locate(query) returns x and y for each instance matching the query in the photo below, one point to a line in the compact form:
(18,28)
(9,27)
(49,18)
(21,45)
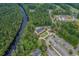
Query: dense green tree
(10,19)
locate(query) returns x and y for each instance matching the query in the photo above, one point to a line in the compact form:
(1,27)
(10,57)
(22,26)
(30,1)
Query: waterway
(16,39)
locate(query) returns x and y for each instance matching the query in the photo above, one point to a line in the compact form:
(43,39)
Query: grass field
(44,34)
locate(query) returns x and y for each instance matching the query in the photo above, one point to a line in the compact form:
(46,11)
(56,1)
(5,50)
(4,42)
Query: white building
(65,17)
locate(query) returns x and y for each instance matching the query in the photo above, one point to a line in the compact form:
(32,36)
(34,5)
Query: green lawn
(44,34)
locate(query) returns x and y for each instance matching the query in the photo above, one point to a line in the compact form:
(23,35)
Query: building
(65,17)
(43,32)
(37,52)
(32,10)
(39,30)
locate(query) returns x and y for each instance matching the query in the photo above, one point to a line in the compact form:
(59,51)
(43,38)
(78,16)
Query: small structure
(32,10)
(42,32)
(37,52)
(39,30)
(65,17)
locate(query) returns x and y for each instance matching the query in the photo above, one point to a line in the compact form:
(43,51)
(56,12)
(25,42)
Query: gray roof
(39,29)
(37,52)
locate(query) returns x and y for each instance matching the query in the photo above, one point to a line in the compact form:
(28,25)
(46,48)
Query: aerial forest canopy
(39,16)
(10,19)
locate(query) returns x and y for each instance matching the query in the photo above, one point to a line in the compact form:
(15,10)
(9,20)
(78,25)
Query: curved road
(13,44)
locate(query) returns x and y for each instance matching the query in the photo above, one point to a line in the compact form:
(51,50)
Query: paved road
(60,44)
(50,11)
(66,45)
(59,48)
(50,51)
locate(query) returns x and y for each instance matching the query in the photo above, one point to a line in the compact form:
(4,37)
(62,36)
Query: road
(50,11)
(50,51)
(60,46)
(57,46)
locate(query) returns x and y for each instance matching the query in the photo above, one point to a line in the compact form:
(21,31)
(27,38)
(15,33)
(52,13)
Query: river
(24,22)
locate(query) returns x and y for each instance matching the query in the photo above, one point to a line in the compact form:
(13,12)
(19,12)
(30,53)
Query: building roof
(39,29)
(36,52)
(66,17)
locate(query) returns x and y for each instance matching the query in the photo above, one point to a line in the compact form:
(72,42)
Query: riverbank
(13,44)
